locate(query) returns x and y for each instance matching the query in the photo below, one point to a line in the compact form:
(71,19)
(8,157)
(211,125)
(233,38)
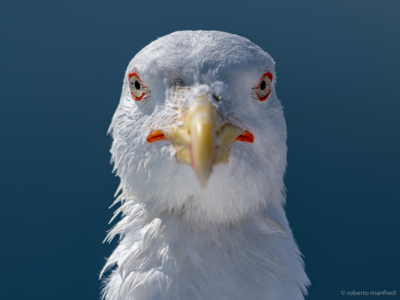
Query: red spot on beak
(247,136)
(155,135)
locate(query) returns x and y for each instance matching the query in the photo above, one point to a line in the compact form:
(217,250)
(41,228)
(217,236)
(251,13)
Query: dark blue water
(62,64)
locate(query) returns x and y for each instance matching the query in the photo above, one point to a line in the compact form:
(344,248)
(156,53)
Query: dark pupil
(263,85)
(137,85)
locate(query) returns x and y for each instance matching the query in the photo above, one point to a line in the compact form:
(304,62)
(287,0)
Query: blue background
(62,64)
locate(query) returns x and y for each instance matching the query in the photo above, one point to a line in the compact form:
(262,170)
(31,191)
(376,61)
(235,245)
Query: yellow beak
(202,124)
(201,142)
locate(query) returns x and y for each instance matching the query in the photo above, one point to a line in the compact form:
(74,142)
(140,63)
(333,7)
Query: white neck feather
(159,248)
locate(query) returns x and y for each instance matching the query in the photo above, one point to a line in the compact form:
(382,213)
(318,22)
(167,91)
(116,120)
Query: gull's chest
(174,264)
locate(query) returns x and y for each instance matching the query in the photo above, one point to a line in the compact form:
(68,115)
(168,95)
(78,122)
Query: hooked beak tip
(203,177)
(203,183)
(202,171)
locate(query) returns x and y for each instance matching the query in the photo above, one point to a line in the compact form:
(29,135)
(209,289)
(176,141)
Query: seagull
(199,145)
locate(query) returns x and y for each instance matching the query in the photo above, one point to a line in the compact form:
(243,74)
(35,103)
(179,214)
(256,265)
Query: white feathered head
(199,129)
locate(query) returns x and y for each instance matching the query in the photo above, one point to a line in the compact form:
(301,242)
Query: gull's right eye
(136,86)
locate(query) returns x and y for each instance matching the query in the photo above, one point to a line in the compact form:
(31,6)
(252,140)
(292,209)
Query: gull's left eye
(136,86)
(264,88)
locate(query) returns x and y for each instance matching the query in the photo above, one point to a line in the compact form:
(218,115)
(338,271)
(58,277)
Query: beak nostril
(216,98)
